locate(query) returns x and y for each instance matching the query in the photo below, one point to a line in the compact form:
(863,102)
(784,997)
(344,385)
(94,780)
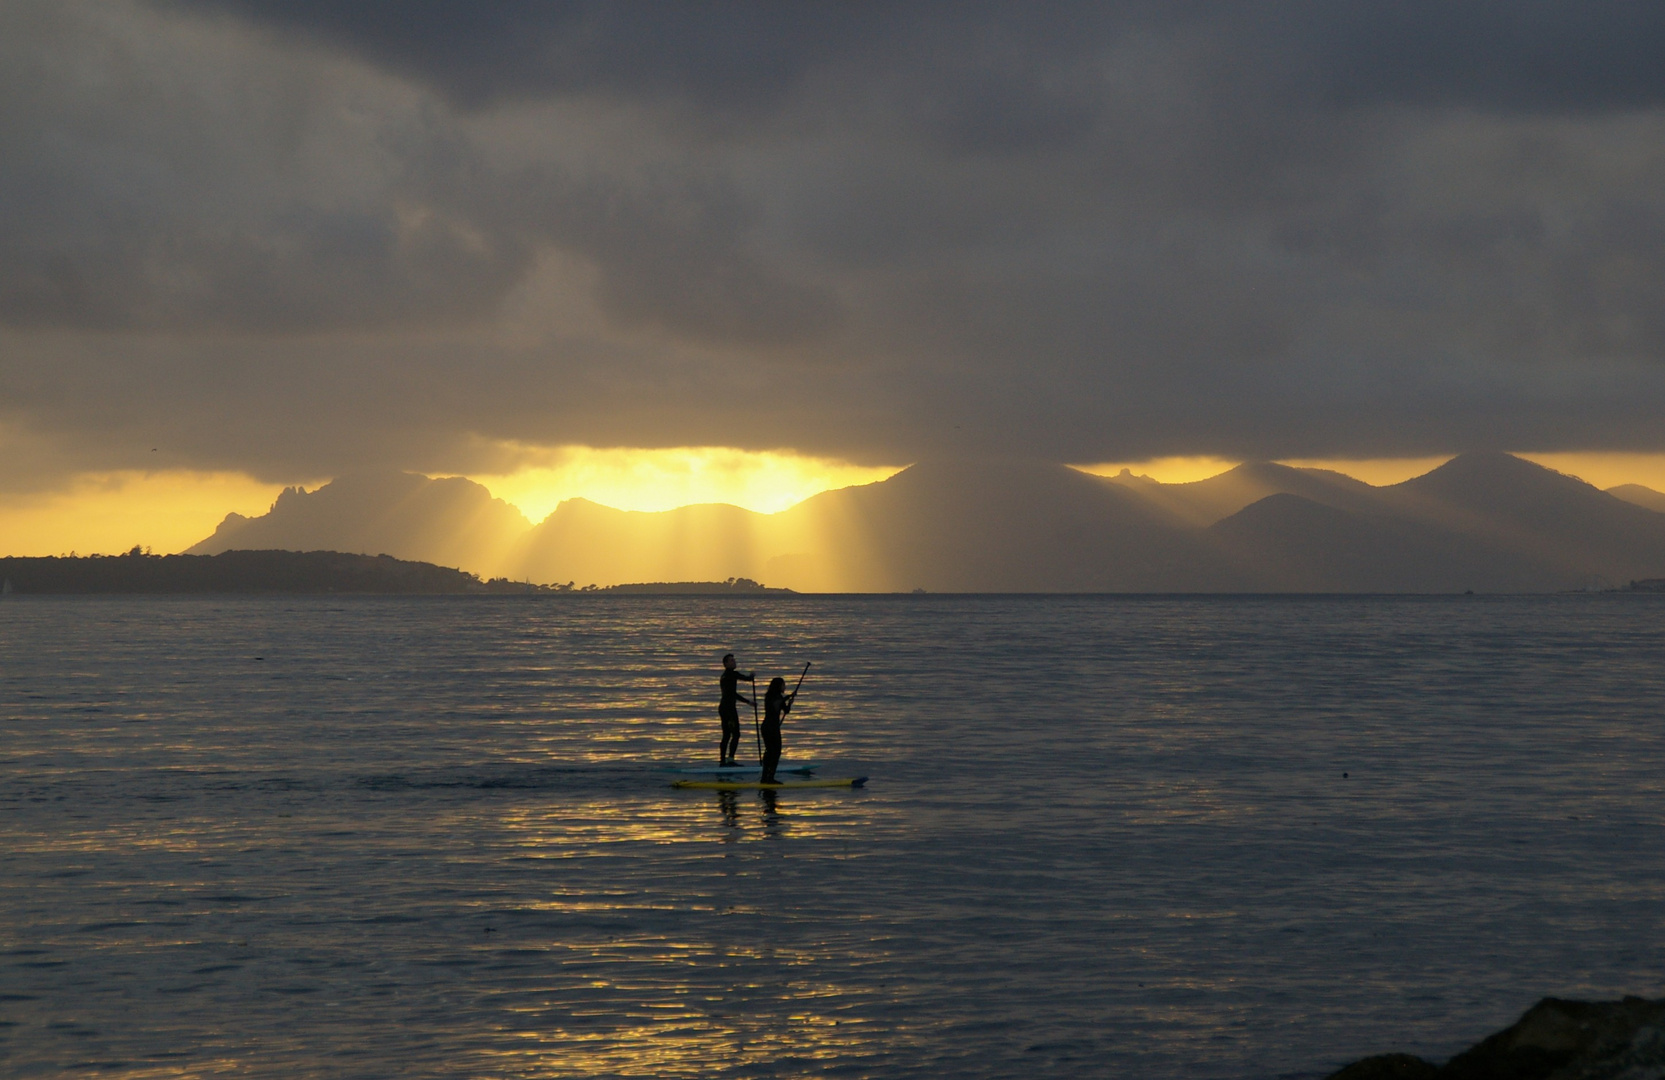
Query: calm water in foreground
(1103,837)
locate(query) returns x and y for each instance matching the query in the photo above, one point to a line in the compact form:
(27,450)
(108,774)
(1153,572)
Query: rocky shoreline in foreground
(1556,1039)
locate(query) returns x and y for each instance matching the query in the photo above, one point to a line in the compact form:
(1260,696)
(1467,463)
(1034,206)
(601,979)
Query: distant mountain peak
(1639,495)
(1489,475)
(1493,463)
(1260,468)
(1487,521)
(451,521)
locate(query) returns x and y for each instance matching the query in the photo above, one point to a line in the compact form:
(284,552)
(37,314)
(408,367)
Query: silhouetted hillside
(1203,502)
(995,526)
(1488,522)
(1637,495)
(1291,544)
(1577,533)
(239,572)
(585,541)
(942,526)
(452,522)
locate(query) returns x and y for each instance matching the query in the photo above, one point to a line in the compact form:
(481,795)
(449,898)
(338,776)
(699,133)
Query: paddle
(795,689)
(757,728)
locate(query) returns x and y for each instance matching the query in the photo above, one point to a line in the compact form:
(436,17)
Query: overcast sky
(300,236)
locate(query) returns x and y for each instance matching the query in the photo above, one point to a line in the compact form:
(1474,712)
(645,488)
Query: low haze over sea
(1155,837)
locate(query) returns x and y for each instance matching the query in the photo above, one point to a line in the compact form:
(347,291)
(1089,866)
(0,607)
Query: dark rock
(1571,1040)
(1556,1039)
(1389,1067)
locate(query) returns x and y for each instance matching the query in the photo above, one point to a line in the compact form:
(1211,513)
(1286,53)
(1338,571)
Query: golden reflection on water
(180,835)
(648,1001)
(673,1040)
(654,1003)
(688,817)
(210,1066)
(707,1024)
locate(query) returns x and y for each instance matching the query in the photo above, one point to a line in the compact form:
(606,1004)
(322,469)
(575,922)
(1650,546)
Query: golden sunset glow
(1186,470)
(1607,470)
(1165,470)
(168,511)
(634,479)
(1377,472)
(108,513)
(1603,469)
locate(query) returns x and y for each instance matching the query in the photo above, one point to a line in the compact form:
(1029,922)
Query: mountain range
(450,521)
(1487,522)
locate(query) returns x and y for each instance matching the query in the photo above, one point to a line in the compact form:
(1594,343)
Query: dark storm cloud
(1534,54)
(739,53)
(147,197)
(141,192)
(671,253)
(1088,231)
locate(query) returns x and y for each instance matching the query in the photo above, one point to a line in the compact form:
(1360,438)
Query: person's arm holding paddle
(775,705)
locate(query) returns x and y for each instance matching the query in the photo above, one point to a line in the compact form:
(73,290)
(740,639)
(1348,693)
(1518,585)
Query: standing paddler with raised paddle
(728,709)
(776,704)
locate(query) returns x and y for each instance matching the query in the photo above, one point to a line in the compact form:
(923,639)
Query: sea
(1101,836)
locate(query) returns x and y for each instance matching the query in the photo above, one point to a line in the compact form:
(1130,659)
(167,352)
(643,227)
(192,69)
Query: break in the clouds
(294,237)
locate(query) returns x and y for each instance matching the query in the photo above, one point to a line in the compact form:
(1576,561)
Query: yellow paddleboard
(753,785)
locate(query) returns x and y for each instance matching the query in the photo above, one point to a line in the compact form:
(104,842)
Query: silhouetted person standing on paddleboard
(729,708)
(776,704)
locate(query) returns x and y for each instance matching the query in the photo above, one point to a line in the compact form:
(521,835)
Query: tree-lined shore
(242,572)
(303,572)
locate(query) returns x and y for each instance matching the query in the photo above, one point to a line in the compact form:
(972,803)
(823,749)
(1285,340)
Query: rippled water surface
(1103,836)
